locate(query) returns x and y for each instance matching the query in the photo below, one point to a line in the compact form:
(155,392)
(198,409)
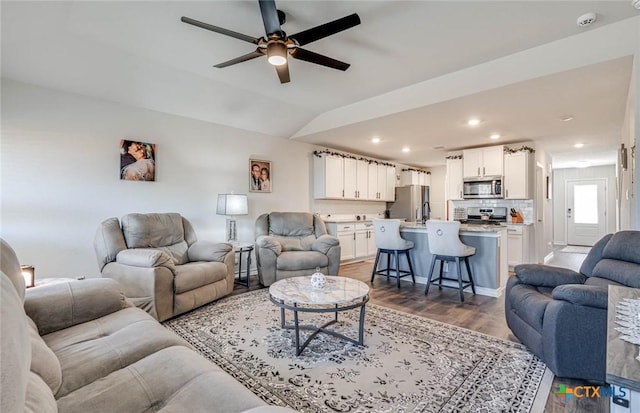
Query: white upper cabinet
(453,179)
(518,175)
(328,177)
(415,178)
(350,178)
(483,162)
(362,177)
(391,184)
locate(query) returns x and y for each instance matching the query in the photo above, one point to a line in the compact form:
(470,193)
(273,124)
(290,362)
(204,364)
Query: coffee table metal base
(323,328)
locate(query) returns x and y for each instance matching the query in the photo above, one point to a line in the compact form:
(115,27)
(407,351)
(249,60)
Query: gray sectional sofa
(561,315)
(82,347)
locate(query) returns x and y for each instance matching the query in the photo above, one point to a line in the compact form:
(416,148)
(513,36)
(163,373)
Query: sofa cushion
(196,274)
(174,379)
(623,272)
(152,230)
(623,246)
(298,260)
(178,252)
(95,349)
(43,361)
(532,303)
(10,267)
(295,243)
(39,397)
(291,224)
(600,282)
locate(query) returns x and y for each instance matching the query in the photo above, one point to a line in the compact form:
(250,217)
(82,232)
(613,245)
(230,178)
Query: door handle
(568,212)
(478,171)
(483,172)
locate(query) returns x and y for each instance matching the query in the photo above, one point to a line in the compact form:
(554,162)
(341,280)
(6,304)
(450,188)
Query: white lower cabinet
(518,245)
(357,240)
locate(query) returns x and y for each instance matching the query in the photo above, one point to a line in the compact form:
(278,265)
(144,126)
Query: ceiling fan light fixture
(277,53)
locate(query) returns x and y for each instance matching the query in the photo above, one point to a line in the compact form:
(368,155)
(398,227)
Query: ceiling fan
(277,45)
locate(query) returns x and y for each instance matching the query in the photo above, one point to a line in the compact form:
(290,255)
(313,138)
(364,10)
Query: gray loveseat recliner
(81,347)
(561,315)
(290,244)
(161,265)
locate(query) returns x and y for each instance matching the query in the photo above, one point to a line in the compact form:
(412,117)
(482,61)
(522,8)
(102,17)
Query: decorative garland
(523,148)
(454,157)
(415,170)
(349,156)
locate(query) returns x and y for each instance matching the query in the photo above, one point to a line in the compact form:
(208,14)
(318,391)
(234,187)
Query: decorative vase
(318,279)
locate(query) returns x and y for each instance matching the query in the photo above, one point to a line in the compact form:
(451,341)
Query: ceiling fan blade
(257,53)
(270,18)
(283,73)
(220,30)
(312,57)
(327,29)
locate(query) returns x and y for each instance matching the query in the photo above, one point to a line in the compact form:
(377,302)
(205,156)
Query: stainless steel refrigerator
(411,204)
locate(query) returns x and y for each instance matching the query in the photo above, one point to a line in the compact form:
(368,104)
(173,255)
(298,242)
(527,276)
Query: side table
(623,370)
(241,248)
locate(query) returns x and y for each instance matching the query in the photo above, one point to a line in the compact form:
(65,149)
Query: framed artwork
(137,160)
(260,173)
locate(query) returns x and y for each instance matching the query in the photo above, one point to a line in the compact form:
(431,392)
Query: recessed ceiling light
(375,140)
(406,149)
(566,118)
(495,136)
(578,145)
(473,122)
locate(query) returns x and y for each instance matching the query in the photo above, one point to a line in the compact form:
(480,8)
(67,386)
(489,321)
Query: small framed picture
(260,176)
(137,160)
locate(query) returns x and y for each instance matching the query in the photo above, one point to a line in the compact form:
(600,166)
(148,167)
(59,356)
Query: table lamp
(29,274)
(232,205)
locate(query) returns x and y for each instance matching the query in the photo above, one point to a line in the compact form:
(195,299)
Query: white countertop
(415,227)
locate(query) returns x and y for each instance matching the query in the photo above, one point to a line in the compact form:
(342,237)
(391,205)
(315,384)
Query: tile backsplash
(525,206)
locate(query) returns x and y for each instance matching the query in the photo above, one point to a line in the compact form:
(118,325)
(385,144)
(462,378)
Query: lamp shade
(232,204)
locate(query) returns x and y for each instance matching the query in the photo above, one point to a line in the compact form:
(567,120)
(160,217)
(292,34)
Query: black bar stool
(445,245)
(389,241)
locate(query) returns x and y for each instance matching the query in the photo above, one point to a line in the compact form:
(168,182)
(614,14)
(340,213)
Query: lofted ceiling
(140,54)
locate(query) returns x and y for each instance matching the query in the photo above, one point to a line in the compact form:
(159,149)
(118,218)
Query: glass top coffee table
(338,294)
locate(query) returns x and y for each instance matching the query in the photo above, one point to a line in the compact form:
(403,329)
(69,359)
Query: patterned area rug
(408,363)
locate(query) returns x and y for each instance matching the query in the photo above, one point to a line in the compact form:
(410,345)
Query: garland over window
(349,156)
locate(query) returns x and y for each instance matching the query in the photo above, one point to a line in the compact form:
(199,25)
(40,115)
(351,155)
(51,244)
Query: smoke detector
(588,19)
(636,4)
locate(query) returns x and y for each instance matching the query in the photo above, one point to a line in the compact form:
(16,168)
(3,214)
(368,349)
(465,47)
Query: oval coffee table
(338,294)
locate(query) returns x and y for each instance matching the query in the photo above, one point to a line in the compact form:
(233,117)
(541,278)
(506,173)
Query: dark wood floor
(479,313)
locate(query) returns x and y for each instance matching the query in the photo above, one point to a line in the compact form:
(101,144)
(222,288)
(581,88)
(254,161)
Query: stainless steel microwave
(482,188)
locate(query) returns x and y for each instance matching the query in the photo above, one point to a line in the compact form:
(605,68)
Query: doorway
(586,211)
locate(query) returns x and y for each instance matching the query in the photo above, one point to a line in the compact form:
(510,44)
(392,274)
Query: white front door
(586,211)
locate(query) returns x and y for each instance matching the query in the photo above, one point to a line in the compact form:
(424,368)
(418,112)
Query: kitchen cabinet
(518,245)
(518,175)
(415,178)
(328,177)
(453,179)
(355,179)
(483,162)
(380,182)
(357,240)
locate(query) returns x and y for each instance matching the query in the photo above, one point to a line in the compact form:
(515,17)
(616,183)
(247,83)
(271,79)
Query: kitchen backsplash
(525,206)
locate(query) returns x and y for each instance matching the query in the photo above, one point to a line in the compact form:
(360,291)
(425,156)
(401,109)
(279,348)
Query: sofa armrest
(587,295)
(54,307)
(324,242)
(209,251)
(270,243)
(547,276)
(145,257)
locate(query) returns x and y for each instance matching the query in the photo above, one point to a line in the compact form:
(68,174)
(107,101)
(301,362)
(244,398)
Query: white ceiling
(139,53)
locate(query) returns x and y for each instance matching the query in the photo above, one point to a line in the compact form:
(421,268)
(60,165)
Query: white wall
(560,178)
(60,174)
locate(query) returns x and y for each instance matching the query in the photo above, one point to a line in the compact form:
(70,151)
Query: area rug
(407,364)
(576,249)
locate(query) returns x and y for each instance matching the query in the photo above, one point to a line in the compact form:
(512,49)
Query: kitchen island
(488,266)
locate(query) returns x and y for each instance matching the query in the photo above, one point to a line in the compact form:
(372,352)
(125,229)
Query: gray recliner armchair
(161,265)
(561,315)
(290,244)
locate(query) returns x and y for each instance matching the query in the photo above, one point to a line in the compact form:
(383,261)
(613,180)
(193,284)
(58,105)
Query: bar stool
(445,245)
(389,241)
